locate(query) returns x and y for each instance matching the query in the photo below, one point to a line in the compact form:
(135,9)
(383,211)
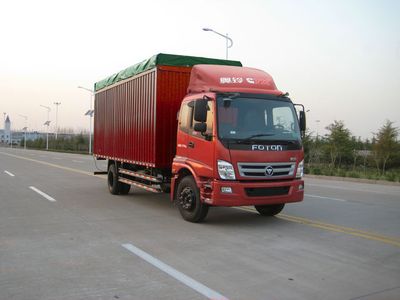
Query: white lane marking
(9,173)
(329,198)
(42,194)
(190,282)
(59,158)
(77,161)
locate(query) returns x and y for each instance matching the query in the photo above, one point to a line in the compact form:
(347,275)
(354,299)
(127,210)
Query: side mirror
(200,110)
(302,121)
(200,127)
(227,102)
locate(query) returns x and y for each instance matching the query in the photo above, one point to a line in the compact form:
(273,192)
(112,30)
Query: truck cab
(238,143)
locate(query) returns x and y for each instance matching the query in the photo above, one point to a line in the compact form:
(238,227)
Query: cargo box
(136,109)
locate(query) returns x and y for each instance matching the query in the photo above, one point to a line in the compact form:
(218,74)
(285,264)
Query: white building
(5,134)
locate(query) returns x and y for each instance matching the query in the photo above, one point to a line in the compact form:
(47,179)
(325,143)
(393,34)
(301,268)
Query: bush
(316,171)
(70,143)
(307,170)
(391,176)
(353,174)
(329,172)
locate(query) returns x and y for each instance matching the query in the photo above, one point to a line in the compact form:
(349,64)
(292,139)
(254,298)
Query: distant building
(6,135)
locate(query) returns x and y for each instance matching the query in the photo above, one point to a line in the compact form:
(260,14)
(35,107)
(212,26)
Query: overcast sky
(341,59)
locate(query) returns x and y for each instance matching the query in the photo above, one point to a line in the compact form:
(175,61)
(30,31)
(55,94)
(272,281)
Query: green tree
(307,145)
(339,144)
(385,145)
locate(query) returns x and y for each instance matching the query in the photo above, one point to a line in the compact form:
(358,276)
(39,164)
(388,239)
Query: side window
(185,117)
(210,120)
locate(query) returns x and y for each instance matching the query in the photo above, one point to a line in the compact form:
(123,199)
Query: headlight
(225,170)
(300,170)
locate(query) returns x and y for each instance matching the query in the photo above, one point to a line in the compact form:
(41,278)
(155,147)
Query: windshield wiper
(247,140)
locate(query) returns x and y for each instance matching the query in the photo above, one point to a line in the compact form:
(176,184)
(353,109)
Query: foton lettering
(266,147)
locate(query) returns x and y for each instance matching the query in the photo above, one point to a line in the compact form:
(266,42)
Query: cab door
(200,146)
(184,121)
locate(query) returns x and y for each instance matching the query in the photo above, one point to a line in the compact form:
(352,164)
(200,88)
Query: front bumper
(253,192)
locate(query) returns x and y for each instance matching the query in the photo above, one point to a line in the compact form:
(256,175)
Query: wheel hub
(187,198)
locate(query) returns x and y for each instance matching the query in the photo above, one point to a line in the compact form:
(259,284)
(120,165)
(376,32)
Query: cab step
(139,175)
(140,185)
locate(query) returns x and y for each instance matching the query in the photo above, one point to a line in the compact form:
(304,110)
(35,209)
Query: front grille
(263,170)
(267,192)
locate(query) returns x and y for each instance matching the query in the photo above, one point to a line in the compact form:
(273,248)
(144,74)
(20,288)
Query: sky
(341,59)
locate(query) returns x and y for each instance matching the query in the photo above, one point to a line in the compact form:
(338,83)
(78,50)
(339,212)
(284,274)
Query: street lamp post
(57,104)
(47,123)
(90,114)
(229,42)
(25,128)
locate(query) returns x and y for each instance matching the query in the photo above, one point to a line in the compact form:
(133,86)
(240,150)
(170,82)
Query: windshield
(249,119)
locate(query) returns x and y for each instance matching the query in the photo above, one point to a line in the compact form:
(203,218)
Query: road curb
(357,180)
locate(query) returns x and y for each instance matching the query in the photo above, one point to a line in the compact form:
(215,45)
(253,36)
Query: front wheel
(188,200)
(269,210)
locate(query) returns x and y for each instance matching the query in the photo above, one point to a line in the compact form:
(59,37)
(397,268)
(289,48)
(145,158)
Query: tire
(112,180)
(114,186)
(124,188)
(269,210)
(188,201)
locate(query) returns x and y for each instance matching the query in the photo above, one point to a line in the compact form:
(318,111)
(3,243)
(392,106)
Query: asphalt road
(63,236)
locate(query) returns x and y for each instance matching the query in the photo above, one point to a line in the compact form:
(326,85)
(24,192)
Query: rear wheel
(114,186)
(269,210)
(112,180)
(124,188)
(188,200)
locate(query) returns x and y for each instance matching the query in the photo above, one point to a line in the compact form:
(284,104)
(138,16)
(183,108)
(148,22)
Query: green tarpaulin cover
(161,60)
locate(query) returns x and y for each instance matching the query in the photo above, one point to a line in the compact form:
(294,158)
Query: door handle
(191,145)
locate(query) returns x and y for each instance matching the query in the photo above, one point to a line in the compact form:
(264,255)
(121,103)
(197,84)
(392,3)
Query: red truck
(208,131)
